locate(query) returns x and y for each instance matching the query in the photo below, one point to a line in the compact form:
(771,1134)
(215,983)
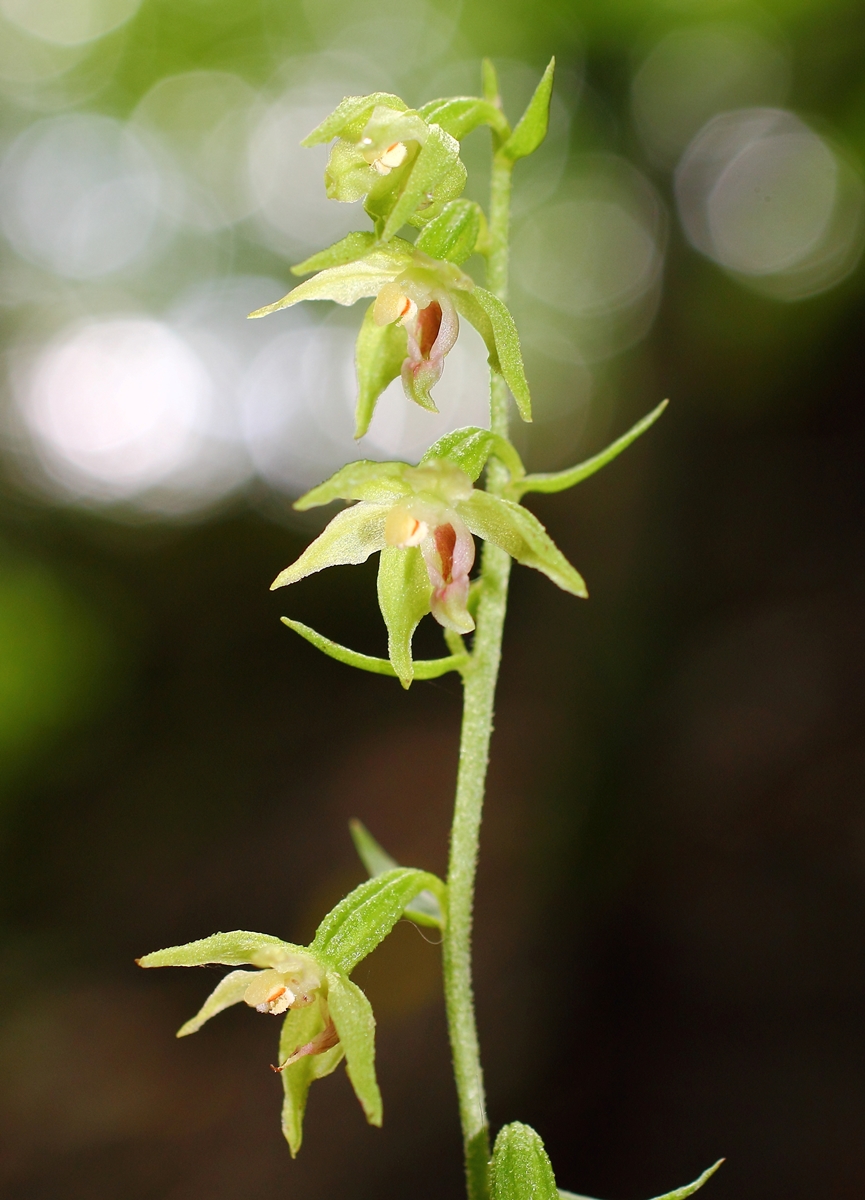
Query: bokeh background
(670,935)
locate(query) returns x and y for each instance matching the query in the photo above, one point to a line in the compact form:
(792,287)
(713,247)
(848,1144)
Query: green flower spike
(422,519)
(406,167)
(413,323)
(327,1017)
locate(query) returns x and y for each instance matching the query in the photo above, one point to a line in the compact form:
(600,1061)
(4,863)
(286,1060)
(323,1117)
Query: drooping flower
(326,1016)
(421,519)
(414,321)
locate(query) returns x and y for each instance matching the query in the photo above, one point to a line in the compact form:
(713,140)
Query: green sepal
(350,538)
(429,668)
(424,909)
(521,534)
(679,1193)
(493,321)
(449,188)
(436,168)
(350,281)
(235,949)
(453,234)
(230,990)
(354,928)
(459,115)
(348,249)
(520,1168)
(350,117)
(558,481)
(531,129)
(469,449)
(300,1026)
(366,479)
(404,591)
(379,354)
(353,1020)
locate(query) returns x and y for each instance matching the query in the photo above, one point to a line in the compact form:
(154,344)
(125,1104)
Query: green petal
(300,1026)
(459,115)
(379,354)
(366,479)
(495,324)
(352,1016)
(437,158)
(520,1168)
(424,908)
(521,534)
(354,928)
(347,283)
(230,949)
(452,235)
(404,591)
(470,448)
(428,668)
(350,116)
(348,249)
(557,481)
(228,991)
(531,129)
(350,538)
(448,188)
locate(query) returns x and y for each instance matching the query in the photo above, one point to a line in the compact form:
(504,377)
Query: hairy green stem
(477,726)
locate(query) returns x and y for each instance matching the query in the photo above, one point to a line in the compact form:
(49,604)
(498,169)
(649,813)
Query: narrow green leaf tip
(679,1194)
(531,129)
(430,668)
(558,481)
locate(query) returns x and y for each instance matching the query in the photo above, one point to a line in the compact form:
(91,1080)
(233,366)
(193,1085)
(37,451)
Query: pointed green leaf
(495,324)
(350,116)
(459,115)
(348,249)
(520,532)
(429,668)
(424,908)
(227,992)
(350,538)
(351,1014)
(490,82)
(230,949)
(520,1168)
(366,479)
(437,158)
(453,233)
(354,928)
(379,354)
(470,448)
(689,1189)
(557,481)
(348,283)
(404,591)
(301,1025)
(531,129)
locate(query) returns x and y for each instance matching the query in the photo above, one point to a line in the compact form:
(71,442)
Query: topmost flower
(408,168)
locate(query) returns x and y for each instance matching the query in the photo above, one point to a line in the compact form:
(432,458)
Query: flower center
(277,991)
(402,530)
(393,156)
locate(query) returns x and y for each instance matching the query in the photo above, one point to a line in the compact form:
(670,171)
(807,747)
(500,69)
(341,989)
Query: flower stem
(477,726)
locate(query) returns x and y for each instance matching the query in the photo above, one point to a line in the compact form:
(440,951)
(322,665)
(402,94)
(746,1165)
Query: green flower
(421,520)
(326,1016)
(407,168)
(414,321)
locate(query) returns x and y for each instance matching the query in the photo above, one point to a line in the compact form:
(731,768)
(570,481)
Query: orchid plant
(422,520)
